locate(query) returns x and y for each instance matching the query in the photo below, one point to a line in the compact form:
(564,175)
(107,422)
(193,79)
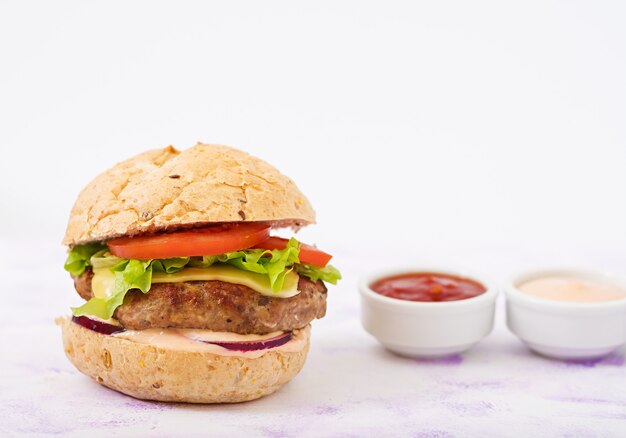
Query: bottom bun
(153,373)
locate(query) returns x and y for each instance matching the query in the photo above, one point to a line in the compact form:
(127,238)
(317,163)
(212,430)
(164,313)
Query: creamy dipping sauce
(572,289)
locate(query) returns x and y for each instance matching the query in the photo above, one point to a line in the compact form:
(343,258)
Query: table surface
(350,386)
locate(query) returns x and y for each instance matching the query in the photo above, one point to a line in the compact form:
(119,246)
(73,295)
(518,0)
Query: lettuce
(129,274)
(80,257)
(137,274)
(276,264)
(170,266)
(328,273)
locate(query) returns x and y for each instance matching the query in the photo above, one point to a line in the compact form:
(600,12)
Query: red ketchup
(427,286)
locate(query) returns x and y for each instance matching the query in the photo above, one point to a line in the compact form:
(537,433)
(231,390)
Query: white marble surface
(350,386)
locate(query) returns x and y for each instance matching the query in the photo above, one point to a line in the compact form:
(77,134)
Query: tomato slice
(203,241)
(308,253)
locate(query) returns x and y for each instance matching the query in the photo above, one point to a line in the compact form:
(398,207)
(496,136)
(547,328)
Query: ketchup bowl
(438,325)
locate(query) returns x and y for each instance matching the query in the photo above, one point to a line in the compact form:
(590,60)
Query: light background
(489,134)
(415,124)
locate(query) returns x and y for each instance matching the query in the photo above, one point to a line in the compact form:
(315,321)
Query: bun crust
(151,373)
(168,189)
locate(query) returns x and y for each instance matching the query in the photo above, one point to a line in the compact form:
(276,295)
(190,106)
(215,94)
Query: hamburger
(189,295)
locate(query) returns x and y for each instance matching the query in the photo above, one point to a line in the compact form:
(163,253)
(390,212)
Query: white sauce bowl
(427,329)
(562,329)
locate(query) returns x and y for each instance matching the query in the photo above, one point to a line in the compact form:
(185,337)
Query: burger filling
(214,305)
(266,286)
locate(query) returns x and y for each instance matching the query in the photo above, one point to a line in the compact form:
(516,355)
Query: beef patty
(215,305)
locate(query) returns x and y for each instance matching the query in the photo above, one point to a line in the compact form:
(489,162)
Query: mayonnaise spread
(188,340)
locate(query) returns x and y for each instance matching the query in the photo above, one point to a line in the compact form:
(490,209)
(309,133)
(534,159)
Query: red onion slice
(262,344)
(97,326)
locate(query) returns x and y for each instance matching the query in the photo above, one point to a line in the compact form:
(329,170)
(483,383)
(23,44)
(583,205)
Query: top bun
(167,189)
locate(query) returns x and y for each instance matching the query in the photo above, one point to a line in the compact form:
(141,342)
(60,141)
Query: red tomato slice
(203,241)
(308,253)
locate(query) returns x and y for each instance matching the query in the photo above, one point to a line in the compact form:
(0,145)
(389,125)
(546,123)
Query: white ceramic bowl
(566,330)
(427,329)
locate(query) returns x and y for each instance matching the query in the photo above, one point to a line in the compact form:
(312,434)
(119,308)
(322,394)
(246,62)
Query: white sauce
(174,339)
(577,290)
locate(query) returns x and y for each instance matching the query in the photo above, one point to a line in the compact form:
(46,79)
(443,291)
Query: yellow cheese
(103,283)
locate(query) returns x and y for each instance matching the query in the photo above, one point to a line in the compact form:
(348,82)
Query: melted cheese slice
(103,282)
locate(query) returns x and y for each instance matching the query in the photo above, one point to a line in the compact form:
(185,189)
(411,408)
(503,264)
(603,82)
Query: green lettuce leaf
(170,266)
(328,273)
(80,257)
(104,259)
(202,262)
(137,274)
(129,274)
(276,264)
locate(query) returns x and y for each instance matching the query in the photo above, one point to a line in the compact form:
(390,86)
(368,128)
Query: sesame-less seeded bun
(151,373)
(167,189)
